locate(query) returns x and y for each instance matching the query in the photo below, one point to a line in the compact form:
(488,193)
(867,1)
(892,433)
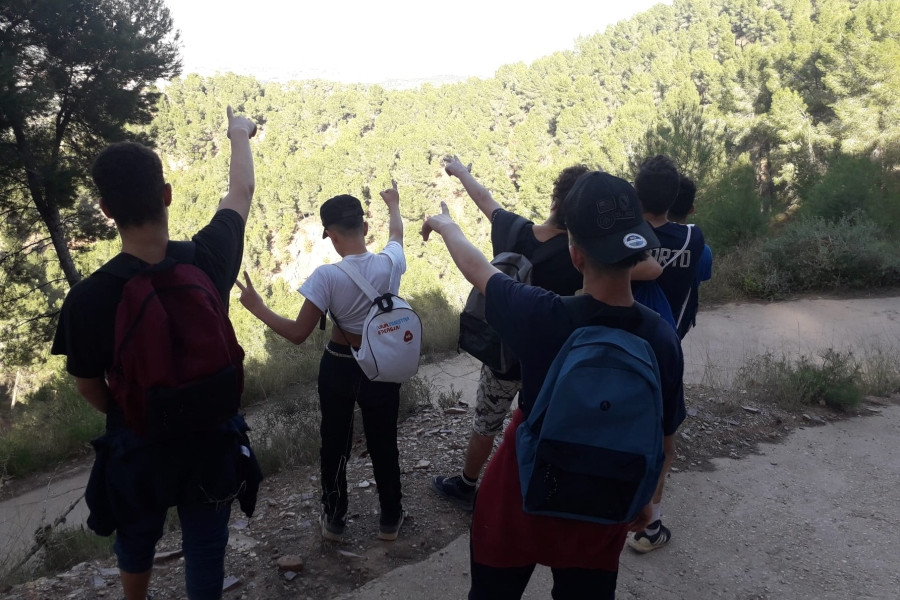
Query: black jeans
(493,583)
(342,384)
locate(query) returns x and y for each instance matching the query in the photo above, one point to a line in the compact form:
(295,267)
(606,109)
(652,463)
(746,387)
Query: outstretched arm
(470,261)
(395,224)
(476,191)
(240,178)
(293,330)
(646,270)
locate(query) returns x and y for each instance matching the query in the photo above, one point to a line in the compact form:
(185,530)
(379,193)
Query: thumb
(444,209)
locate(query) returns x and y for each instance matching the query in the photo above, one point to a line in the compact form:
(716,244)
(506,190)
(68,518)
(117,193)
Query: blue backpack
(591,448)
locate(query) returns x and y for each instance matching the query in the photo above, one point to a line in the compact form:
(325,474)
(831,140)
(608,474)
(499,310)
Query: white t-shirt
(330,289)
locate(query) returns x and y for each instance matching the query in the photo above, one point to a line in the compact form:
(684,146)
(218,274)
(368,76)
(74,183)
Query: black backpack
(475,335)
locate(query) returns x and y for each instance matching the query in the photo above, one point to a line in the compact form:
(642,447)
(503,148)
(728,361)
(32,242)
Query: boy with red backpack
(148,340)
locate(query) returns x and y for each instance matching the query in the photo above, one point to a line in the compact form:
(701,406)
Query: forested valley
(784,112)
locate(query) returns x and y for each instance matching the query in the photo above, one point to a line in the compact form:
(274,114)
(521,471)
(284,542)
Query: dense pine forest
(783,111)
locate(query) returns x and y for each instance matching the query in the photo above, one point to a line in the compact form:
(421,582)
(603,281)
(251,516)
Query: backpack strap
(643,327)
(515,231)
(687,297)
(687,240)
(126,266)
(505,241)
(353,273)
(384,301)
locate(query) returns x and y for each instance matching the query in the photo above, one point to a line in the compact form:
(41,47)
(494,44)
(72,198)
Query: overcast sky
(354,41)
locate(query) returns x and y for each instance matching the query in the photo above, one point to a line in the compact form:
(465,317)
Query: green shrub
(729,212)
(62,548)
(834,380)
(440,321)
(68,547)
(53,423)
(286,432)
(880,371)
(854,184)
(817,254)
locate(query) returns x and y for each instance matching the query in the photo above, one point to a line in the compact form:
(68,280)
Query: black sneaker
(455,490)
(644,543)
(390,531)
(332,531)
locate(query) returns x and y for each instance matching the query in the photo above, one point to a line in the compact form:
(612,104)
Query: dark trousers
(342,385)
(494,583)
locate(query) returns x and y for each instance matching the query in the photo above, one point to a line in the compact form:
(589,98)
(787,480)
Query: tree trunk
(47,207)
(49,211)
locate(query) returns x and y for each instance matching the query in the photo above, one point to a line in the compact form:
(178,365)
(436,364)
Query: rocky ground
(279,553)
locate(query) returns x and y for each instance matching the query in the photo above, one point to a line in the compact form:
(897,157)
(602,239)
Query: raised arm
(469,260)
(476,191)
(646,270)
(240,177)
(293,330)
(395,224)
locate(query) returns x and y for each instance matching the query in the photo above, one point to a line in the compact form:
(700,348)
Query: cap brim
(614,248)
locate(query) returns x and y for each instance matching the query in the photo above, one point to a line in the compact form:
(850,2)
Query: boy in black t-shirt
(135,480)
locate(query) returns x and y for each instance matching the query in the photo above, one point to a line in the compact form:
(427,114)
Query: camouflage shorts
(492,402)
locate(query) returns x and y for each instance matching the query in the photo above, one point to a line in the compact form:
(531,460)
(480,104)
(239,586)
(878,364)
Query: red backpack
(177,365)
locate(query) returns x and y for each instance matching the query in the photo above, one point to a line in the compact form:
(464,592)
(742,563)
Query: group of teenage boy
(604,240)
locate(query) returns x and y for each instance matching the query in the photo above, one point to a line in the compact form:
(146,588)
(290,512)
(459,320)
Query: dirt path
(812,518)
(723,339)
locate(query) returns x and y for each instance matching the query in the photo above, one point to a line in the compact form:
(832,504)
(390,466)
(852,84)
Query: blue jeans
(204,535)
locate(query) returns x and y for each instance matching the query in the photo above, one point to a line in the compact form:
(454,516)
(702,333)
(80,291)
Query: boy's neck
(350,246)
(611,287)
(146,242)
(656,220)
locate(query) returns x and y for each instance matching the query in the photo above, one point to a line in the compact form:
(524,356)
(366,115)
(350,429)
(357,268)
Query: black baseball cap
(339,208)
(604,216)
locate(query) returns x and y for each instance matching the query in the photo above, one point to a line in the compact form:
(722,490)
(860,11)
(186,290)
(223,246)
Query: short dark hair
(657,184)
(684,201)
(130,179)
(561,187)
(348,225)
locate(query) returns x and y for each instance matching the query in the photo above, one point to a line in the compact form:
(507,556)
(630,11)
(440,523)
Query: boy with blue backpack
(543,499)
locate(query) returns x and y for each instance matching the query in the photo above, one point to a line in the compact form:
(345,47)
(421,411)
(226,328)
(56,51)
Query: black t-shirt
(85,332)
(535,323)
(553,272)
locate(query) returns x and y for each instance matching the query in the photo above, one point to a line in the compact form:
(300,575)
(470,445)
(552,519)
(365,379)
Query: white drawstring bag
(391,335)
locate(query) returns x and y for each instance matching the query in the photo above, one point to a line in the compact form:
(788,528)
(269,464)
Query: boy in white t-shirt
(341,382)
